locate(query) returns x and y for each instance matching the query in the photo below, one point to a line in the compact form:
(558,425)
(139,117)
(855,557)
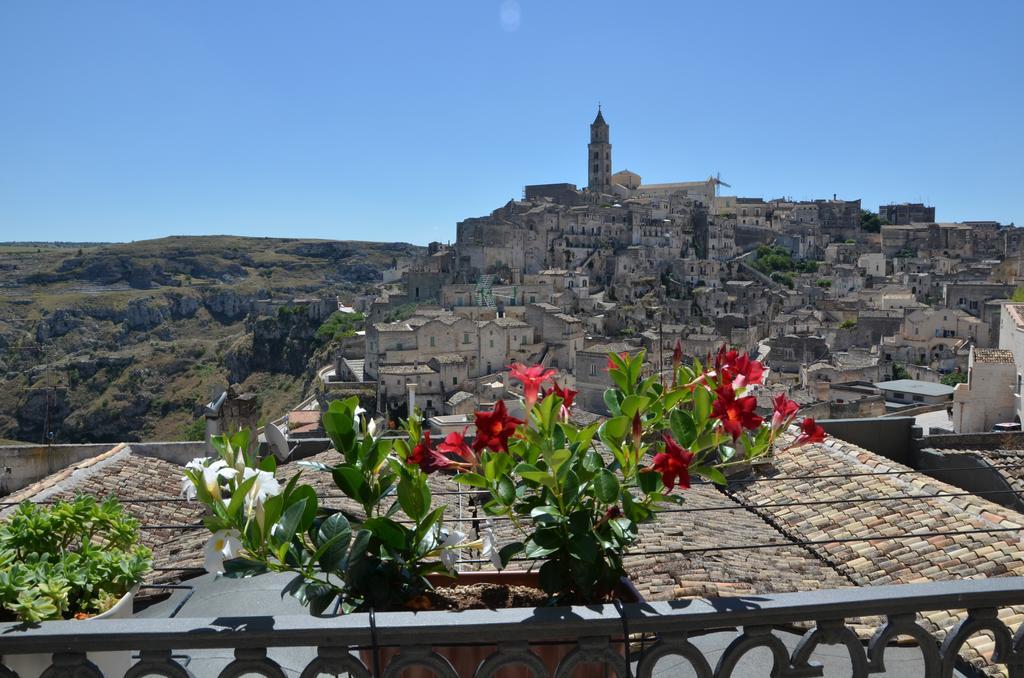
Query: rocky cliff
(127,341)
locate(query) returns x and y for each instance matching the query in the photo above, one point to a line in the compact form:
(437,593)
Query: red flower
(735,413)
(427,459)
(455,444)
(724,358)
(673,464)
(736,369)
(744,372)
(785,410)
(567,395)
(532,377)
(677,359)
(493,429)
(809,433)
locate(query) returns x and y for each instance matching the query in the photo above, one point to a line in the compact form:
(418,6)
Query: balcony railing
(392,642)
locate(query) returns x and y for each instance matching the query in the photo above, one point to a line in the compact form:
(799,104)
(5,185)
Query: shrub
(70,559)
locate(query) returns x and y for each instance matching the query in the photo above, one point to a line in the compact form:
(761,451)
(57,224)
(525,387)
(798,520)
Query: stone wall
(22,465)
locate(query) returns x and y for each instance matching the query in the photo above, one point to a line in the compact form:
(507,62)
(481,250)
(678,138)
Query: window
(492,343)
(429,404)
(432,341)
(455,381)
(465,337)
(593,370)
(400,347)
(918,399)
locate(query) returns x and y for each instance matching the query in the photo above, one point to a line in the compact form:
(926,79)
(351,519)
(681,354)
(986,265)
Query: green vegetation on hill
(778,264)
(953,378)
(125,341)
(340,326)
(871,222)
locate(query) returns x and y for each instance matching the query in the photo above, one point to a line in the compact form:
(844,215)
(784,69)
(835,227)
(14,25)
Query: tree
(871,222)
(1018,295)
(899,372)
(954,378)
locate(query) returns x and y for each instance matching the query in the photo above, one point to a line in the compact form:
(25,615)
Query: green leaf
(238,497)
(701,407)
(583,547)
(611,401)
(387,531)
(284,531)
(552,577)
(638,513)
(649,481)
(683,428)
(413,496)
(349,480)
(606,487)
(549,538)
(615,428)
(335,534)
(268,463)
(509,551)
(307,494)
(633,404)
(556,459)
(505,490)
(711,473)
(546,515)
(471,479)
(592,462)
(238,568)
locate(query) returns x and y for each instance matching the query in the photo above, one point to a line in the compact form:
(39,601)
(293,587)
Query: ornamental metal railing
(387,644)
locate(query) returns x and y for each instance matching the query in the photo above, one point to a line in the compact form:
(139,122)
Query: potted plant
(575,505)
(77,559)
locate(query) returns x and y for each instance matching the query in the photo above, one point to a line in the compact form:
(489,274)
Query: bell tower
(599,155)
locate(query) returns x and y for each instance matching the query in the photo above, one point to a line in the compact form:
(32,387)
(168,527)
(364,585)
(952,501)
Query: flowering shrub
(260,526)
(578,510)
(576,505)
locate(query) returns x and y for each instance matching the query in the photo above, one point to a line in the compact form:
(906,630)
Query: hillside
(111,342)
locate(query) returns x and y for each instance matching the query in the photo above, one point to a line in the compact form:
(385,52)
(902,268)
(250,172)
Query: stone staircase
(484,293)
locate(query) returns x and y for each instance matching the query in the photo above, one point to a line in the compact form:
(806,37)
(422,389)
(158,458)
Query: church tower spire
(599,155)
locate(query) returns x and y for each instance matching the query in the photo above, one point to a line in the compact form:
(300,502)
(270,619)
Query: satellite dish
(277,440)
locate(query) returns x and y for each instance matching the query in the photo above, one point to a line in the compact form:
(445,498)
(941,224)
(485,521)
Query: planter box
(466,659)
(109,663)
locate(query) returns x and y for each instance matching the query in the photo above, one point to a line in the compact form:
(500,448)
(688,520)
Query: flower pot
(109,663)
(466,659)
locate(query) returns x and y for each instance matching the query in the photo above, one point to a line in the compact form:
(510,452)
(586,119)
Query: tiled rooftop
(992,355)
(822,516)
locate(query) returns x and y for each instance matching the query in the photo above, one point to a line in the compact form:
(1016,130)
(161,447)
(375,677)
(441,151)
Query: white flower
(211,477)
(266,485)
(449,554)
(222,545)
(371,428)
(490,547)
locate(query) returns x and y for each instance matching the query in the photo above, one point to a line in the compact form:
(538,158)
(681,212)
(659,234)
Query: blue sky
(392,121)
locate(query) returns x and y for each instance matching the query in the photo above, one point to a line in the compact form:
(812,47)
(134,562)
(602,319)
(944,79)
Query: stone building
(599,156)
(989,395)
(907,213)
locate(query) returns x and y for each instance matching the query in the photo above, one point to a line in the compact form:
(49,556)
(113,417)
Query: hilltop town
(857,313)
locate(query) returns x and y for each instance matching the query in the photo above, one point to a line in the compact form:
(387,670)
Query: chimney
(412,397)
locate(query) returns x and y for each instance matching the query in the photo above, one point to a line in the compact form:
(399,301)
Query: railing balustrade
(348,645)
